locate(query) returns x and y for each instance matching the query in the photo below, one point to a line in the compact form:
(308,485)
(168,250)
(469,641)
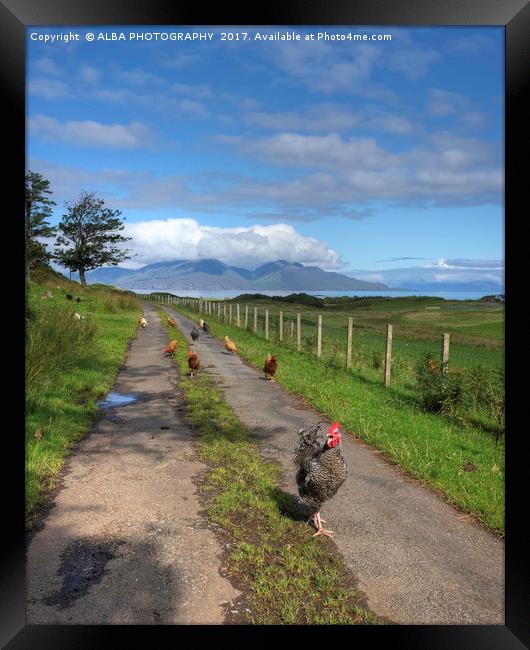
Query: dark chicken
(195,333)
(193,362)
(322,468)
(204,325)
(270,366)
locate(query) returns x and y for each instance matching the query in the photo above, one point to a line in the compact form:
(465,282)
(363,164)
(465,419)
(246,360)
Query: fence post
(218,311)
(224,312)
(298,332)
(281,326)
(444,353)
(319,336)
(388,355)
(255,319)
(246,316)
(237,316)
(230,314)
(266,323)
(292,331)
(348,353)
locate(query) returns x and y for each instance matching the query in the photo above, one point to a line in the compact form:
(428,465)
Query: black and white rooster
(321,468)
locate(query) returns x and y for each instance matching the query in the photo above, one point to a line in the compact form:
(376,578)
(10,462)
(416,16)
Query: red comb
(334,428)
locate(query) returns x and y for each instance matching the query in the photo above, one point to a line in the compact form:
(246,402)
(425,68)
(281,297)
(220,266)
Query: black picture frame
(15,16)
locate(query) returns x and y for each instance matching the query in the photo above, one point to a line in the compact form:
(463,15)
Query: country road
(125,540)
(418,560)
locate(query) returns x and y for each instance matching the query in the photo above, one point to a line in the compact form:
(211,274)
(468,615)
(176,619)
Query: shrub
(483,390)
(54,339)
(462,393)
(437,392)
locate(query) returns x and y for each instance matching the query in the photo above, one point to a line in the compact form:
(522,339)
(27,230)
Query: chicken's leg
(318,525)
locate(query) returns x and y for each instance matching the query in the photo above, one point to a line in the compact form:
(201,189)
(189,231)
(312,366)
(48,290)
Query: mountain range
(215,275)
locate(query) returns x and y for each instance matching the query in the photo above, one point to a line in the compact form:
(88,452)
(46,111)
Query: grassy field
(70,364)
(286,577)
(435,449)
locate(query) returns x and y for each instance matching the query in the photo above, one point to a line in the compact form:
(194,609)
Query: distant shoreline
(391,293)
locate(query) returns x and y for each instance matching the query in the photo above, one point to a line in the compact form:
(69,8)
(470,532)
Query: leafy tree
(89,236)
(38,211)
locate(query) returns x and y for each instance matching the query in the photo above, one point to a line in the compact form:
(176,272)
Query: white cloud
(192,106)
(470,43)
(442,271)
(89,75)
(169,239)
(475,265)
(50,89)
(89,133)
(331,68)
(48,66)
(321,118)
(443,103)
(445,170)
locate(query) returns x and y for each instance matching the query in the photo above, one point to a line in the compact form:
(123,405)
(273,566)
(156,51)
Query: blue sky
(383,158)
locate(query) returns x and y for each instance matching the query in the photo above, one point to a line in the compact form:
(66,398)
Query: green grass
(287,577)
(70,364)
(430,447)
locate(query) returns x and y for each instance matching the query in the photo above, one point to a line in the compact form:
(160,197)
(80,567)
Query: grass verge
(287,577)
(437,451)
(70,364)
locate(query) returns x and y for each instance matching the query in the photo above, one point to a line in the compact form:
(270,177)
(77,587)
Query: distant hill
(215,275)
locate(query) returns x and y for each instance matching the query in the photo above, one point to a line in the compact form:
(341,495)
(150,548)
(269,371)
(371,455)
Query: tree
(38,211)
(89,236)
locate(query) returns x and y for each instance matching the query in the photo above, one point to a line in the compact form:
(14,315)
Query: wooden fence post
(281,326)
(230,314)
(388,355)
(319,336)
(266,323)
(255,319)
(298,332)
(246,316)
(218,311)
(444,353)
(237,316)
(224,312)
(292,331)
(350,332)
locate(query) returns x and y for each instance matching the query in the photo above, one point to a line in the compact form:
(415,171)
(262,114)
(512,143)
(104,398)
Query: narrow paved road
(126,541)
(418,560)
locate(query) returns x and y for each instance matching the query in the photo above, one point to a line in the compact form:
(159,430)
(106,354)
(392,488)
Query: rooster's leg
(320,529)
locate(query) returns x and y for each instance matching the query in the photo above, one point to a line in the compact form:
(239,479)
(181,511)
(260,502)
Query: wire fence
(340,341)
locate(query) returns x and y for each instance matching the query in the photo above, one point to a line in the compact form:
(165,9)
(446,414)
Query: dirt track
(125,540)
(418,560)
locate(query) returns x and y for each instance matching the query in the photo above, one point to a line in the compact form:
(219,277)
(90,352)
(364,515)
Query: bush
(483,390)
(54,339)
(437,392)
(462,393)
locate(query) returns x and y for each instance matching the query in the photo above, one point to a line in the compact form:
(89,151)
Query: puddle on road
(117,399)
